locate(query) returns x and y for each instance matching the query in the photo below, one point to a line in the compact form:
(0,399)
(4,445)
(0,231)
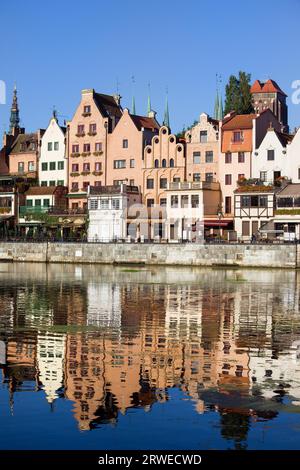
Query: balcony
(25,211)
(193,185)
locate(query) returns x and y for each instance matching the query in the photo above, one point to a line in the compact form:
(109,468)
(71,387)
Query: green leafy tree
(238,96)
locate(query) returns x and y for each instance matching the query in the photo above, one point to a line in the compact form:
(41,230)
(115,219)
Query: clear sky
(53,49)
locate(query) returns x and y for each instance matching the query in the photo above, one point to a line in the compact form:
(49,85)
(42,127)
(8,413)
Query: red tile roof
(239,121)
(41,190)
(143,121)
(270,86)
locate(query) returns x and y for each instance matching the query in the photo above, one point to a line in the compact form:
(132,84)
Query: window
(97,183)
(21,167)
(60,182)
(203,137)
(49,146)
(184,201)
(245,201)
(125,144)
(44,166)
(176,179)
(98,166)
(115,203)
(86,167)
(86,148)
(150,202)
(271,155)
(163,183)
(228,179)
(93,129)
(75,205)
(52,166)
(241,176)
(87,109)
(164,163)
(46,202)
(228,204)
(196,157)
(80,129)
(131,182)
(75,167)
(85,185)
(174,201)
(209,156)
(38,203)
(60,165)
(245,228)
(195,201)
(29,203)
(74,186)
(52,183)
(172,163)
(150,183)
(132,163)
(241,157)
(263,175)
(119,164)
(163,202)
(117,182)
(104,203)
(209,177)
(98,147)
(93,204)
(156,163)
(197,177)
(228,157)
(263,201)
(31,166)
(56,145)
(237,136)
(75,148)
(43,183)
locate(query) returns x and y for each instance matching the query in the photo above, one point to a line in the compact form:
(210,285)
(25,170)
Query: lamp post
(220,215)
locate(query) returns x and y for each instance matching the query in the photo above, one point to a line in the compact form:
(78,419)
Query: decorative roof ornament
(166,121)
(14,120)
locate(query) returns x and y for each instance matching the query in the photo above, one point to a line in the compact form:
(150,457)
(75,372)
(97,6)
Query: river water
(102,357)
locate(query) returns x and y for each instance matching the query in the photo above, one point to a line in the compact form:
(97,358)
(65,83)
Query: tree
(238,95)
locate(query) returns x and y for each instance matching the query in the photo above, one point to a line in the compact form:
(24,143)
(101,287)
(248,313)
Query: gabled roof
(239,121)
(24,139)
(143,121)
(107,105)
(270,86)
(284,138)
(41,191)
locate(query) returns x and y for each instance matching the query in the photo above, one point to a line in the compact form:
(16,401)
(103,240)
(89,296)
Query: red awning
(217,223)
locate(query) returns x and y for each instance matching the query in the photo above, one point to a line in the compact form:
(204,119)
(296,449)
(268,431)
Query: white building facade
(53,169)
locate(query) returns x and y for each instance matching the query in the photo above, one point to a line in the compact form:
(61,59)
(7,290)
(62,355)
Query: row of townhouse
(105,147)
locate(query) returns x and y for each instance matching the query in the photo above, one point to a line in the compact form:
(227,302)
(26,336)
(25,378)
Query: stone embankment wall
(264,256)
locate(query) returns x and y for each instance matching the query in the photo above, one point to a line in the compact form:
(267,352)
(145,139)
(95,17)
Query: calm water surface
(117,358)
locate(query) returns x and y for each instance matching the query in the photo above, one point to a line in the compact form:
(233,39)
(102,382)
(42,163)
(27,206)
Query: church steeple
(133,111)
(166,121)
(14,113)
(216,109)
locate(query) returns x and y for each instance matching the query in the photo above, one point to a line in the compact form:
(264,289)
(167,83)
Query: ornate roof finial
(14,120)
(133,98)
(149,100)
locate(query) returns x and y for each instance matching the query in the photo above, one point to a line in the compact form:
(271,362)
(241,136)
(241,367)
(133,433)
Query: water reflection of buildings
(225,338)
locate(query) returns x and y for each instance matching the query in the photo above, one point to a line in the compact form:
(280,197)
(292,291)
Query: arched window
(172,162)
(156,163)
(164,163)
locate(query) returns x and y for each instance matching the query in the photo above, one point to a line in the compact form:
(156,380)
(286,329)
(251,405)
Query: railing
(35,210)
(185,185)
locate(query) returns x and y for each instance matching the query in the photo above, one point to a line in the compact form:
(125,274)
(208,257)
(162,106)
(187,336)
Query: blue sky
(53,49)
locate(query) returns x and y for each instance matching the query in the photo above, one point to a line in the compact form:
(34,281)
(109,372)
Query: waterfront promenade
(188,254)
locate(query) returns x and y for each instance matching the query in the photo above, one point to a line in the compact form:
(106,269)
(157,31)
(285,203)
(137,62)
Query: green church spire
(217,106)
(166,121)
(14,113)
(133,111)
(221,112)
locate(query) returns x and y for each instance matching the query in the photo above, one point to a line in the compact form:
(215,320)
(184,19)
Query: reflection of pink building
(87,137)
